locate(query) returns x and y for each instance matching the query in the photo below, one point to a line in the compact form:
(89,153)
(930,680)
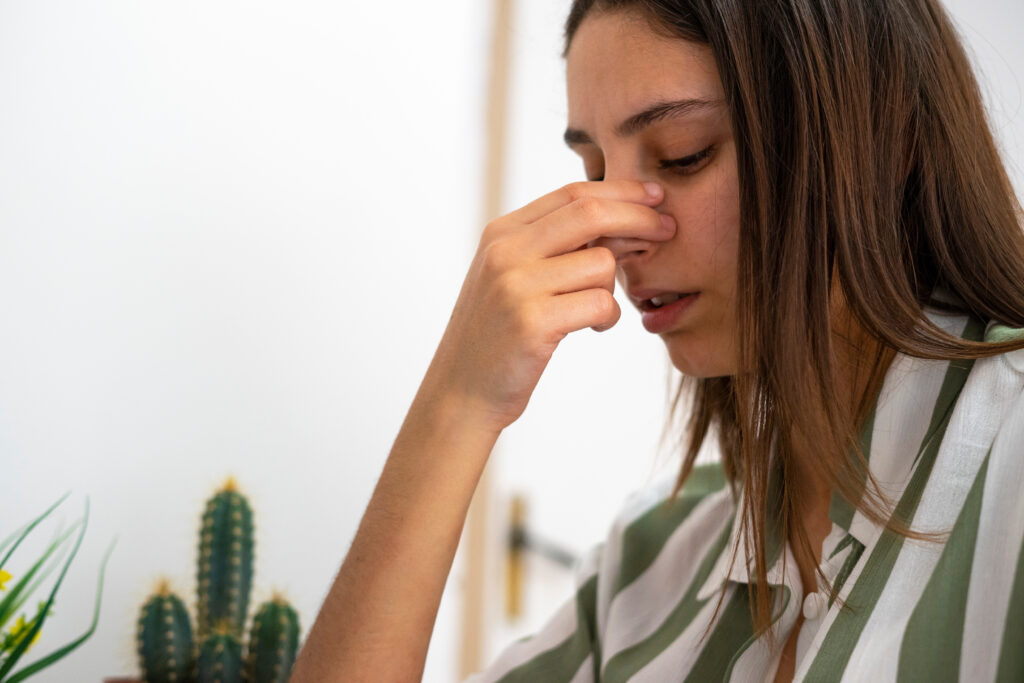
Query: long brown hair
(863,151)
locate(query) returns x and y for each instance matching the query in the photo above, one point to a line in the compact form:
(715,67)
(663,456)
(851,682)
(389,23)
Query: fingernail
(667,221)
(653,189)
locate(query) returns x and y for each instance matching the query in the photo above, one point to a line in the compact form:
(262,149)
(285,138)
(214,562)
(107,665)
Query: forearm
(376,622)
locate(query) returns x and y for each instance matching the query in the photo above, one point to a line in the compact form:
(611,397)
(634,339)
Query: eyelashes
(682,166)
(686,164)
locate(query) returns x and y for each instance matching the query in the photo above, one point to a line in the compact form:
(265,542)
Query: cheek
(715,208)
(725,198)
(710,216)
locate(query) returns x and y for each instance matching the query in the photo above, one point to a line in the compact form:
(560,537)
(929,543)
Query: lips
(641,298)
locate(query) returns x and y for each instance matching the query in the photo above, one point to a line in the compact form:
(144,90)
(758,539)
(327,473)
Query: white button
(814,605)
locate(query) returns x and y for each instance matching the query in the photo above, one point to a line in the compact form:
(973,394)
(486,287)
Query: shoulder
(989,413)
(648,517)
(1008,370)
(569,645)
(1000,378)
(996,332)
(654,543)
(650,513)
(655,534)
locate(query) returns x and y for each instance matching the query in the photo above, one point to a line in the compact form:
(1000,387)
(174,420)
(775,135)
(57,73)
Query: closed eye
(682,166)
(686,164)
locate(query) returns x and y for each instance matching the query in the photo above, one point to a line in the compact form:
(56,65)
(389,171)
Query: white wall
(232,234)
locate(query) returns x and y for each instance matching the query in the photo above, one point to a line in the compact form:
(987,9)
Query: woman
(811,192)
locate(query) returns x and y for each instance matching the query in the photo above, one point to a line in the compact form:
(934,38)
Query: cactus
(166,647)
(165,644)
(273,642)
(225,561)
(220,656)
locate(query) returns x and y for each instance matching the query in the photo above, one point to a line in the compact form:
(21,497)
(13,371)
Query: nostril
(629,254)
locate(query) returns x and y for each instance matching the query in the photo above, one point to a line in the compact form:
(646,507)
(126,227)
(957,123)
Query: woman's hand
(534,280)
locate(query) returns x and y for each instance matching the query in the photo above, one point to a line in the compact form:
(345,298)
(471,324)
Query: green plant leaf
(17,595)
(54,563)
(18,532)
(21,530)
(27,639)
(26,530)
(49,569)
(58,654)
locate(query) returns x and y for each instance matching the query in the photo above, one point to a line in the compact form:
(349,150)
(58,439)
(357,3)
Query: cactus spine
(165,644)
(220,657)
(225,561)
(273,642)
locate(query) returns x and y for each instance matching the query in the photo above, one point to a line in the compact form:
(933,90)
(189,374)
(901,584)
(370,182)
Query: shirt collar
(906,381)
(915,397)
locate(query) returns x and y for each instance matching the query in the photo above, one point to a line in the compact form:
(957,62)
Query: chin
(698,360)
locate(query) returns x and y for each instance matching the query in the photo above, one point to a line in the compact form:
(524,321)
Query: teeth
(659,301)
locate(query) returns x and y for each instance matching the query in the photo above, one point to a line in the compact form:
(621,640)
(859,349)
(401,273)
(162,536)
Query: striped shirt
(945,439)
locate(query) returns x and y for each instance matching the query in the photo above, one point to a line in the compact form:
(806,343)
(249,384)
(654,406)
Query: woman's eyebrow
(637,122)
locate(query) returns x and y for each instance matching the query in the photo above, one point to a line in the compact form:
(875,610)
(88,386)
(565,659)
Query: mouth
(660,319)
(661,300)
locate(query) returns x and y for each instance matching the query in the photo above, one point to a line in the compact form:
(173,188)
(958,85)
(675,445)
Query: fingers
(542,255)
(585,220)
(576,310)
(649,193)
(611,320)
(594,267)
(577,272)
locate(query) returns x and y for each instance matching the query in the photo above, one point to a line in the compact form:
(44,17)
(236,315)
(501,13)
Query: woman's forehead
(616,66)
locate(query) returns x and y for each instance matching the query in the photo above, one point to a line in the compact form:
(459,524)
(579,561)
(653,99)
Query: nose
(627,248)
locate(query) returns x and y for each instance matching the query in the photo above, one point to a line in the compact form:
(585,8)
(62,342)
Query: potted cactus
(216,650)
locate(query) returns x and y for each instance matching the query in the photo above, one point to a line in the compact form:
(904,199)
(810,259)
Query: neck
(856,354)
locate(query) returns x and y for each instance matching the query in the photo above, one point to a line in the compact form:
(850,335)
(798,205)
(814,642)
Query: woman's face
(617,68)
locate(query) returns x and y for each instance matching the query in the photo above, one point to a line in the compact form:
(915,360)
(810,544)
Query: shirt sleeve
(566,649)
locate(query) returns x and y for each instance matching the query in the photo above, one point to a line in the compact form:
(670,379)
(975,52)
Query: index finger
(649,193)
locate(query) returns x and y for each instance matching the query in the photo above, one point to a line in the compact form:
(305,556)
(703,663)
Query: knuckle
(573,191)
(605,258)
(495,258)
(490,231)
(589,207)
(528,321)
(498,228)
(510,284)
(604,302)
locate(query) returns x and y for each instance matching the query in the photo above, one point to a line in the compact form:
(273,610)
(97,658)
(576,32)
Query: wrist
(451,409)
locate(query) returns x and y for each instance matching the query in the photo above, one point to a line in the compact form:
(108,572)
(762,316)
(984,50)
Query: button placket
(815,605)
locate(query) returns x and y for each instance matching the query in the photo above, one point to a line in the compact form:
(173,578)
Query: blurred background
(231,236)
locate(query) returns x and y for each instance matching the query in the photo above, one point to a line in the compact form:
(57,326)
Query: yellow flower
(4,578)
(20,629)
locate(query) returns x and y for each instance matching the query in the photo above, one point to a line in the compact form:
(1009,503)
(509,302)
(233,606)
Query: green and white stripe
(945,440)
